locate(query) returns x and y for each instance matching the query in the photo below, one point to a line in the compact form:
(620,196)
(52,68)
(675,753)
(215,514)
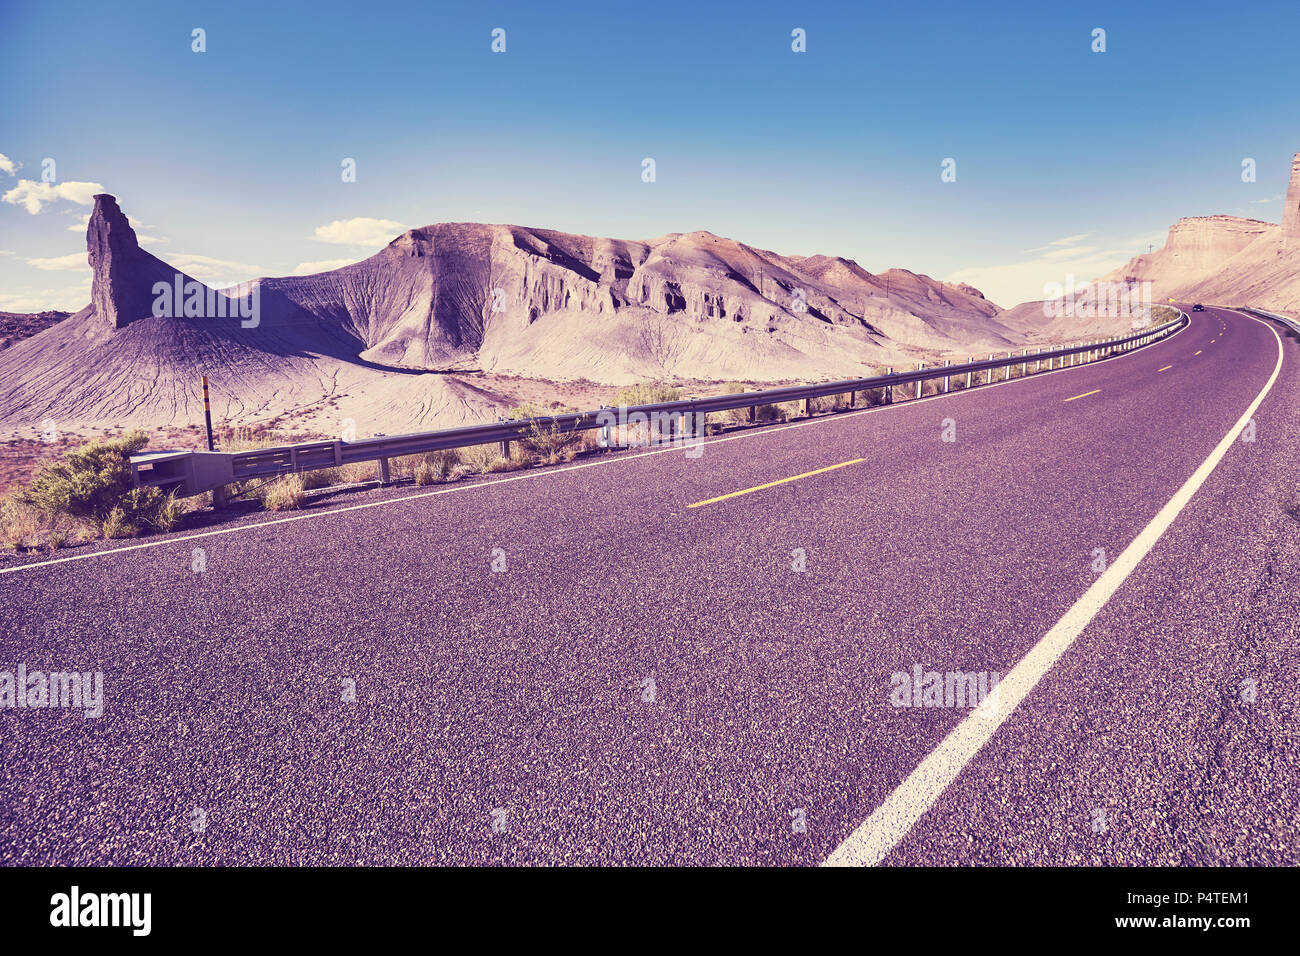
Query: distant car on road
(1198,307)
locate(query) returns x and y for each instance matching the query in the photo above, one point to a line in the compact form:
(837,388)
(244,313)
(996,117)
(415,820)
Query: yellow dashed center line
(773,484)
(1165,369)
(1198,352)
(1084,395)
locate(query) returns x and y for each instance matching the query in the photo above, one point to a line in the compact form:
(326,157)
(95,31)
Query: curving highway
(664,659)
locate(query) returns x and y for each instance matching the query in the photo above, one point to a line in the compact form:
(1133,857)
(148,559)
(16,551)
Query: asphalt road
(647,682)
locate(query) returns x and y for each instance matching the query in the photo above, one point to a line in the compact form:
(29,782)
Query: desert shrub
(322,478)
(283,494)
(246,438)
(1160,314)
(404,464)
(358,471)
(734,416)
(550,443)
(91,485)
(648,393)
(829,403)
(485,460)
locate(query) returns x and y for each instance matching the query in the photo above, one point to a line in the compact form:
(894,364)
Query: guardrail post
(969,359)
(889,389)
(606,435)
(919,367)
(505,443)
(384,477)
(946,363)
(853,398)
(807,408)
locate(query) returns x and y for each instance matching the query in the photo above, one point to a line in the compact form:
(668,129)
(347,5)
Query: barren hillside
(387,340)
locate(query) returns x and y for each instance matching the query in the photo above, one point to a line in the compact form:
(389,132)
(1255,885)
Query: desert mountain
(1228,260)
(1224,260)
(387,341)
(15,326)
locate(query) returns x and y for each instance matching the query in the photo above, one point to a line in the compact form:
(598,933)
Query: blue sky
(1067,161)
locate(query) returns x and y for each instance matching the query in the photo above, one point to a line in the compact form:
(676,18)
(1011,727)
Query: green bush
(92,485)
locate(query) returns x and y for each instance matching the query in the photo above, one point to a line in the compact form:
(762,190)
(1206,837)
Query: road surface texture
(640,681)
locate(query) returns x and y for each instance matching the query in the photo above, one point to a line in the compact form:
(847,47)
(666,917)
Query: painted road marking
(1084,395)
(544,473)
(892,820)
(1165,369)
(1198,352)
(773,484)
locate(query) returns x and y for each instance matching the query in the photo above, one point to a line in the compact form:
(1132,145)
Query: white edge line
(547,472)
(872,841)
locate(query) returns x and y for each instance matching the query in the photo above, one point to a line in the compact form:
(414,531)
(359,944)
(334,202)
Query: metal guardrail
(204,471)
(1290,323)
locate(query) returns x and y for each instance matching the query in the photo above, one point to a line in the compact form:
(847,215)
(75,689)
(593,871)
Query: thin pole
(207,410)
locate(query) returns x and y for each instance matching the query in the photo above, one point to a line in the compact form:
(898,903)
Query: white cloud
(34,196)
(65,299)
(362,231)
(1013,283)
(1072,252)
(1066,241)
(1258,202)
(324,265)
(215,272)
(8,165)
(73,262)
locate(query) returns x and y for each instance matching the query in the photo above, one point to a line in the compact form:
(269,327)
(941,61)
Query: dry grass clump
(284,494)
(23,527)
(322,478)
(487,460)
(436,467)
